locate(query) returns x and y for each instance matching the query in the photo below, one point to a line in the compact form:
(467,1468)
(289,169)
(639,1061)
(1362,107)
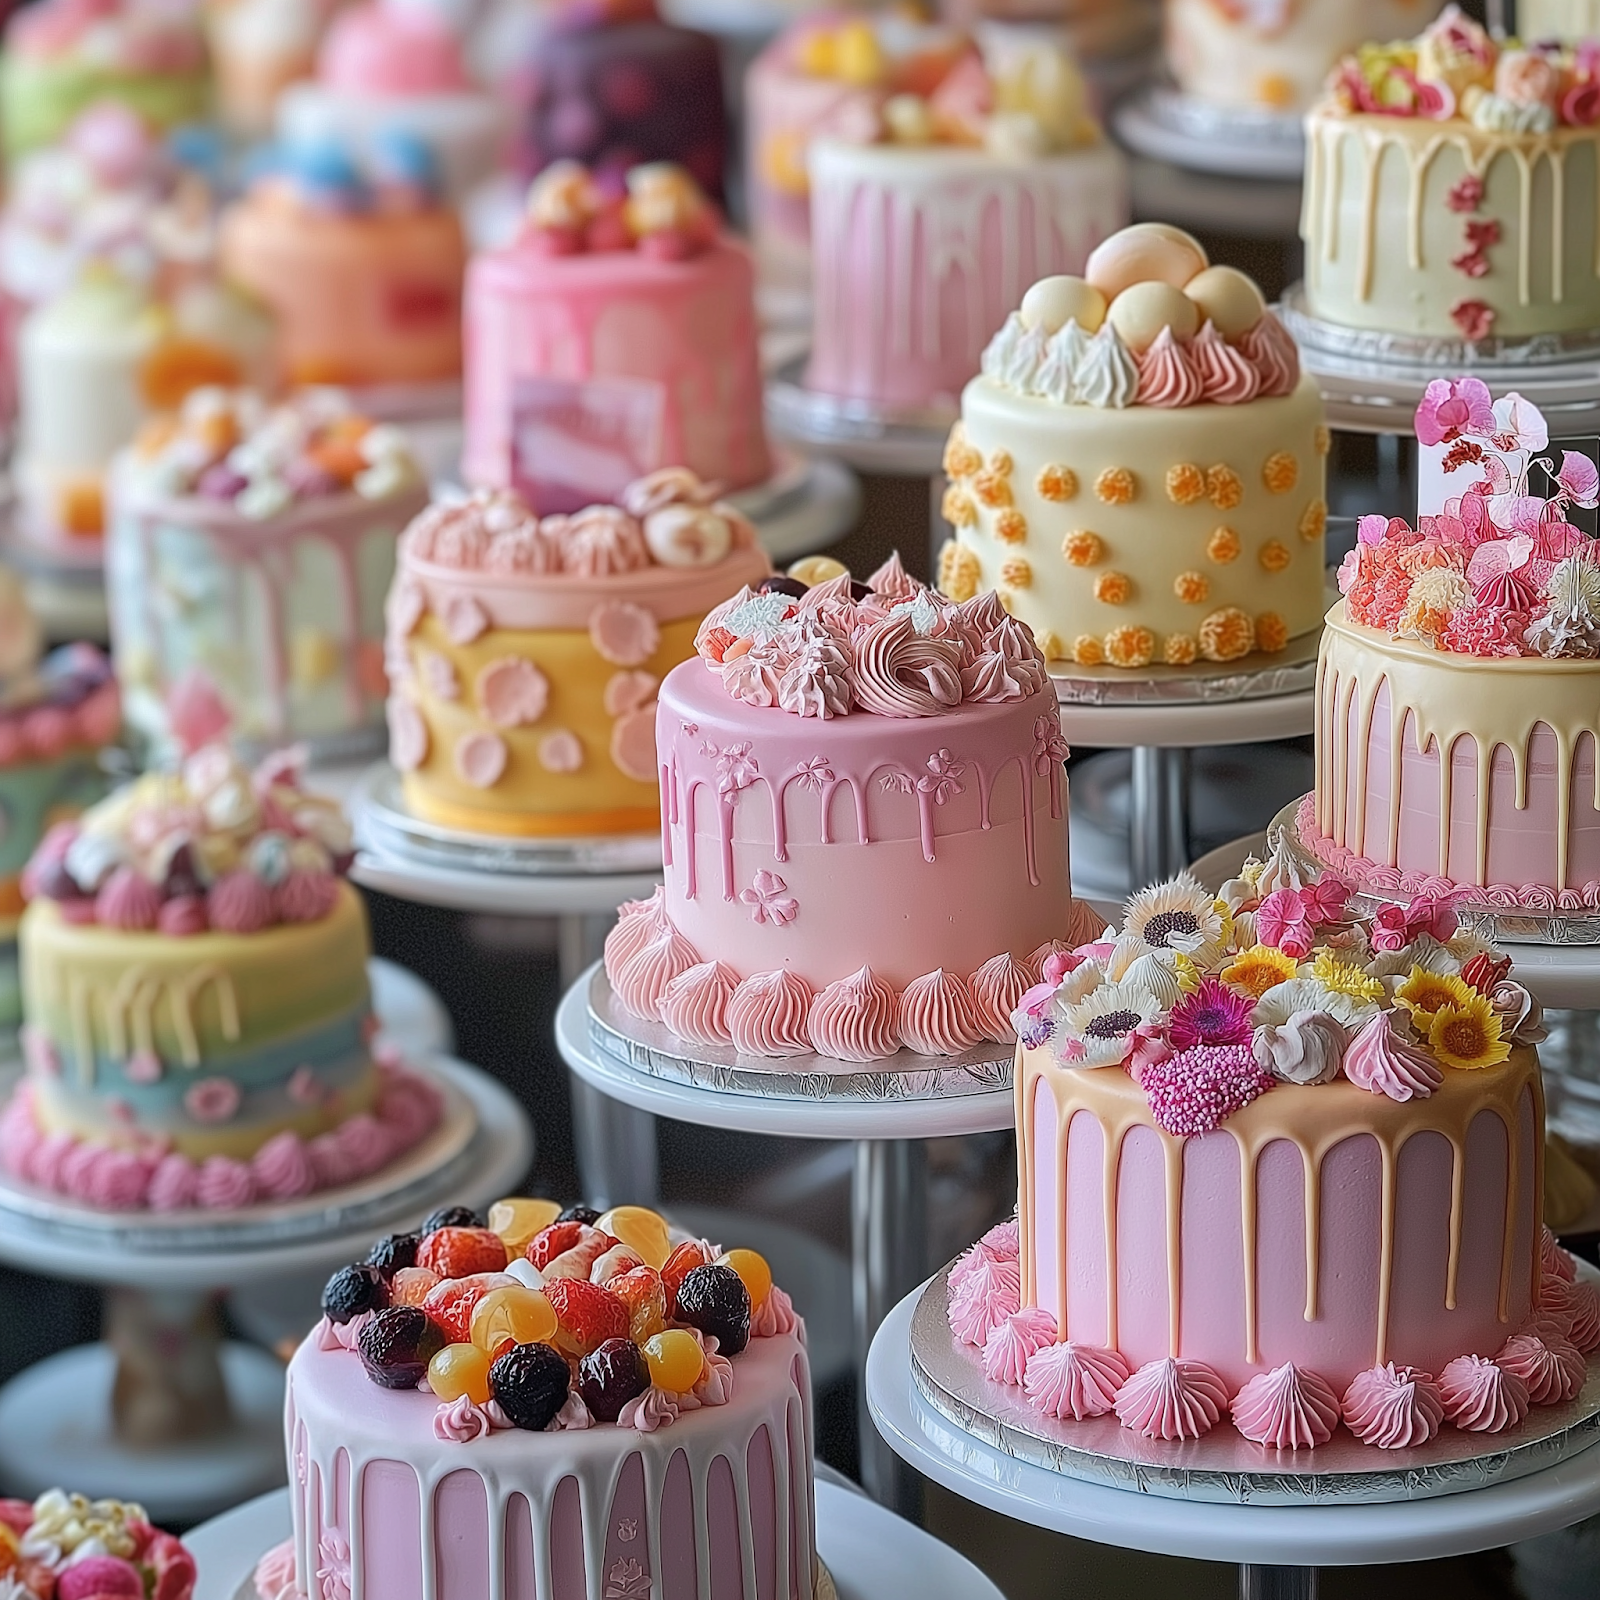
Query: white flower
(1283,1000)
(1154,973)
(1104,1023)
(1181,915)
(1078,985)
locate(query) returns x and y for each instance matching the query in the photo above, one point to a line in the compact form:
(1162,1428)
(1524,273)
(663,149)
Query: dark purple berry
(391,1254)
(587,1215)
(779,585)
(531,1383)
(352,1290)
(858,591)
(612,1376)
(715,1300)
(398,1344)
(452,1217)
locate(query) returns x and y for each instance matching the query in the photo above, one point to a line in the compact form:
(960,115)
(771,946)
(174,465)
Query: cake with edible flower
(68,1547)
(1139,468)
(1451,188)
(1460,674)
(930,219)
(198,1027)
(250,551)
(864,825)
(526,652)
(667,1378)
(1279,1167)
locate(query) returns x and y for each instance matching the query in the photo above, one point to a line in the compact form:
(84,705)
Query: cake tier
(1478,771)
(282,617)
(907,845)
(1145,533)
(1426,228)
(919,255)
(579,756)
(211,1044)
(1558,19)
(1323,1226)
(610,366)
(717,1505)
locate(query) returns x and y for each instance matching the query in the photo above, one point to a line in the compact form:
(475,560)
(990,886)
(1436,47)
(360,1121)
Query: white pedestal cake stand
(1276,1548)
(869,438)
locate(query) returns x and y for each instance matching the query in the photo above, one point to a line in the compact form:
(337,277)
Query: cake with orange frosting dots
(1139,468)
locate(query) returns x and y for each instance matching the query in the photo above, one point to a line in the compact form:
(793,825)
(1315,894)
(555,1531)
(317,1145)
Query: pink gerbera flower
(1213,1014)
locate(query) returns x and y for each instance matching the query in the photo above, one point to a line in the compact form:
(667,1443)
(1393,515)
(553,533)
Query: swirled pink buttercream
(985,1300)
(366,1143)
(715,1387)
(938,1016)
(573,1417)
(1004,1240)
(1010,1345)
(115,1180)
(767,1015)
(774,1317)
(224,1184)
(239,902)
(892,581)
(641,981)
(602,542)
(1171,1399)
(970,1262)
(331,1335)
(901,673)
(1269,348)
(183,916)
(1554,1262)
(1288,1408)
(1226,377)
(695,1004)
(638,921)
(305,896)
(1393,1407)
(127,900)
(853,1019)
(1480,1396)
(461,1422)
(1074,1381)
(1552,1367)
(282,1169)
(274,1574)
(1167,377)
(1584,1330)
(997,988)
(1382,1061)
(174,1185)
(648,1411)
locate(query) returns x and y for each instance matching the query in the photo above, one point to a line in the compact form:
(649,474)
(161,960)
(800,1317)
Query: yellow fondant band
(526,825)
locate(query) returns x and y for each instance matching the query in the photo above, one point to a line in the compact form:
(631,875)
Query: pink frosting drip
(1382,1060)
(767,1015)
(938,1016)
(1482,1397)
(1172,1399)
(641,981)
(1288,1408)
(997,988)
(1552,1367)
(1009,1347)
(853,1019)
(695,1004)
(1553,1260)
(1226,377)
(774,1317)
(1167,377)
(1074,1381)
(1393,1407)
(989,1296)
(1270,349)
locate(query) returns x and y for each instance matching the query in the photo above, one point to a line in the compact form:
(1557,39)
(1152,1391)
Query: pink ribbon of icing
(1288,1408)
(1074,1381)
(1172,1399)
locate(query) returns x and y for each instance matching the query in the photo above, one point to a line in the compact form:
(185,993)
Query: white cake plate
(1165,124)
(870,438)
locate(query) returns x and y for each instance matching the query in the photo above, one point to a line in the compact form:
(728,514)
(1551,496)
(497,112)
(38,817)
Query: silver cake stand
(1162,122)
(871,438)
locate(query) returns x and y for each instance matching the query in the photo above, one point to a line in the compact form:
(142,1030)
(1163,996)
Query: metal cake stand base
(870,438)
(1165,124)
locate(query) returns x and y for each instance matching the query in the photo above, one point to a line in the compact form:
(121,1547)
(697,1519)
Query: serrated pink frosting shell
(641,981)
(854,1019)
(990,1295)
(1073,1381)
(1554,1262)
(1552,1367)
(695,1004)
(938,1016)
(1288,1408)
(1482,1397)
(1393,1407)
(1010,1344)
(1172,1399)
(997,988)
(767,1015)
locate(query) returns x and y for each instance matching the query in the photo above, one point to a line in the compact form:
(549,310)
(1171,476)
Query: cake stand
(901,443)
(1276,1548)
(65,587)
(1164,123)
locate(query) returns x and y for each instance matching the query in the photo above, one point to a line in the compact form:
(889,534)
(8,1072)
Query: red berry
(452,1302)
(586,1314)
(553,1241)
(462,1252)
(678,1266)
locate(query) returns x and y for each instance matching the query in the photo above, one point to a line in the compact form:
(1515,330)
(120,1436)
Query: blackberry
(715,1300)
(452,1217)
(531,1383)
(398,1344)
(612,1376)
(353,1290)
(786,586)
(587,1215)
(391,1254)
(858,591)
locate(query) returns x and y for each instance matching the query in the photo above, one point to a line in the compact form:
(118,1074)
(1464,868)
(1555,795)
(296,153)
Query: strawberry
(452,1302)
(462,1252)
(678,1266)
(642,1293)
(410,1286)
(586,1315)
(553,1241)
(579,1259)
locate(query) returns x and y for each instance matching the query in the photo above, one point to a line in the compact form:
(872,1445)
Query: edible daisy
(1258,969)
(1181,915)
(1424,992)
(1343,978)
(1468,1036)
(1281,1002)
(1213,1014)
(1106,1022)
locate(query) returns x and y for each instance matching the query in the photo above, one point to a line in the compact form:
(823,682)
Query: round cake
(1139,468)
(108,1547)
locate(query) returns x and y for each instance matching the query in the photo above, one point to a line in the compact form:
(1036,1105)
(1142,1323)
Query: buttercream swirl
(460,1422)
(1108,376)
(938,1016)
(225,1184)
(854,1019)
(1306,1049)
(1007,1350)
(1554,1262)
(649,1411)
(816,683)
(1057,377)
(1393,1407)
(274,1574)
(1584,1330)
(753,677)
(985,1300)
(1269,348)
(1551,1366)
(1004,1240)
(997,989)
(892,582)
(968,1263)
(573,1417)
(1481,1397)
(767,1015)
(282,1169)
(901,673)
(774,1317)
(1382,1061)
(641,981)
(603,542)
(1171,1399)
(1167,377)
(1226,377)
(637,922)
(331,1335)
(1287,1408)
(715,1387)
(695,1003)
(1074,1381)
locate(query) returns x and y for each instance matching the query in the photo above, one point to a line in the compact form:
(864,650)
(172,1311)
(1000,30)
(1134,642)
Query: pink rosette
(239,902)
(602,542)
(1004,1240)
(640,982)
(854,1019)
(1226,377)
(695,1003)
(48,1166)
(128,901)
(938,1016)
(649,1411)
(767,1015)
(774,1317)
(460,1422)
(281,1168)
(1288,1408)
(1010,1345)
(223,1184)
(1551,1367)
(366,1143)
(1554,1262)
(115,1180)
(1584,1330)
(183,917)
(305,897)
(901,673)
(1167,377)
(1382,1061)
(1393,1407)
(1073,1381)
(893,582)
(997,990)
(993,678)
(174,1185)
(968,1263)
(1482,1397)
(638,921)
(1269,348)
(327,1158)
(990,1295)
(1171,1399)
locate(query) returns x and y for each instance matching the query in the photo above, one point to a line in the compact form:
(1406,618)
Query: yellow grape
(675,1360)
(753,1272)
(511,1316)
(642,1230)
(460,1369)
(517,1221)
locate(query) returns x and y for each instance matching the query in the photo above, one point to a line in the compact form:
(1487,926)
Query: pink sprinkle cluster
(1195,1090)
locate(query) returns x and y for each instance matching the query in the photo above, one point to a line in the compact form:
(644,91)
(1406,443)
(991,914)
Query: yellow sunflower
(1341,977)
(1467,1036)
(1258,969)
(1424,992)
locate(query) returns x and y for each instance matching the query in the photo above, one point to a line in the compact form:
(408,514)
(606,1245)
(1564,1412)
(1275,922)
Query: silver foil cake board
(1223,1467)
(1162,122)
(385,825)
(875,438)
(653,1049)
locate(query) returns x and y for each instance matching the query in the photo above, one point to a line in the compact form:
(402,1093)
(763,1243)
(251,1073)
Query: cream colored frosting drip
(1493,702)
(1314,1120)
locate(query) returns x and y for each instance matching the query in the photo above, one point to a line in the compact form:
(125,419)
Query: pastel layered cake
(614,336)
(249,553)
(1282,1170)
(526,652)
(863,823)
(1139,469)
(197,1015)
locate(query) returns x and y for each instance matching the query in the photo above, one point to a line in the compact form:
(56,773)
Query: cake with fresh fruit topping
(1279,1165)
(1139,468)
(864,824)
(525,652)
(68,1547)
(198,1024)
(667,1380)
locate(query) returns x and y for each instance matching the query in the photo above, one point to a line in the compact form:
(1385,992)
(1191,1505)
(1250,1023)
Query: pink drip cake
(1279,1166)
(544,1408)
(74,1548)
(1456,691)
(863,824)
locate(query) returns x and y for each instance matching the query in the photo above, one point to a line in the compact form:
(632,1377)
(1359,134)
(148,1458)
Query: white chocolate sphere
(1145,253)
(1229,298)
(1141,312)
(1054,302)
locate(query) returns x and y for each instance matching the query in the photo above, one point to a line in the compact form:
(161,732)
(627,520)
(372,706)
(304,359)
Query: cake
(607,83)
(108,1547)
(391,66)
(863,826)
(248,556)
(258,48)
(668,1381)
(1451,189)
(613,337)
(1539,20)
(929,223)
(360,260)
(1139,467)
(526,652)
(1460,673)
(198,1027)
(1281,1168)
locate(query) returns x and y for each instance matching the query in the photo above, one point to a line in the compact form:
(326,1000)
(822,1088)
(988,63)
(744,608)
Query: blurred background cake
(258,48)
